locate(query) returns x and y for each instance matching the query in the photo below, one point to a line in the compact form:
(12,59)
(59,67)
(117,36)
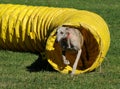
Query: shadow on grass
(40,65)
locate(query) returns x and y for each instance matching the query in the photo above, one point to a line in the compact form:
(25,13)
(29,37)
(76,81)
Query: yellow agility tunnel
(33,28)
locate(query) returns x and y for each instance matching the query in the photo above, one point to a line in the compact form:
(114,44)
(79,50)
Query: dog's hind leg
(76,62)
(64,58)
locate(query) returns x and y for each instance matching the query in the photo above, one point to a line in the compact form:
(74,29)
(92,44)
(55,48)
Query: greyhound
(70,38)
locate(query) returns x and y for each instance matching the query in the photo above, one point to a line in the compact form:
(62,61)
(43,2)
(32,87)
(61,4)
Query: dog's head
(62,33)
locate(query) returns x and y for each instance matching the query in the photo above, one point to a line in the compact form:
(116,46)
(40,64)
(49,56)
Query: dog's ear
(67,28)
(56,30)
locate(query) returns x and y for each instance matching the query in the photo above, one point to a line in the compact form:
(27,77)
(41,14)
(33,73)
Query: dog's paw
(71,74)
(69,47)
(66,62)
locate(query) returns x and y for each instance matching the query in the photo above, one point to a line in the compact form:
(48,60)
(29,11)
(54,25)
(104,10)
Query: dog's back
(76,38)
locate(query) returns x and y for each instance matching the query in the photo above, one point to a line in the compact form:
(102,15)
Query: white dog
(70,38)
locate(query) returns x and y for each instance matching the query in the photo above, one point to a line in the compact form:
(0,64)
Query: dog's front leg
(68,42)
(76,62)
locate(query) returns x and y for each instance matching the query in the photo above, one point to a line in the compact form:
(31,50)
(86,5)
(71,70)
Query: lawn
(20,70)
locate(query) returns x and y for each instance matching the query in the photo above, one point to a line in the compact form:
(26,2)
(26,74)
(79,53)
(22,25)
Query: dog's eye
(61,32)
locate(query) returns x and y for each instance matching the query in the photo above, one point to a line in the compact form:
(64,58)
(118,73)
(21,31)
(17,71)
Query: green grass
(13,71)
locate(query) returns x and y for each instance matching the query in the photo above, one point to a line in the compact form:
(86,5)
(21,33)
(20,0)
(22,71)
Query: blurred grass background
(13,71)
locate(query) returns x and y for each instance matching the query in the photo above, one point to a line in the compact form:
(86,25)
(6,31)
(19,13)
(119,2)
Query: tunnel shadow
(40,65)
